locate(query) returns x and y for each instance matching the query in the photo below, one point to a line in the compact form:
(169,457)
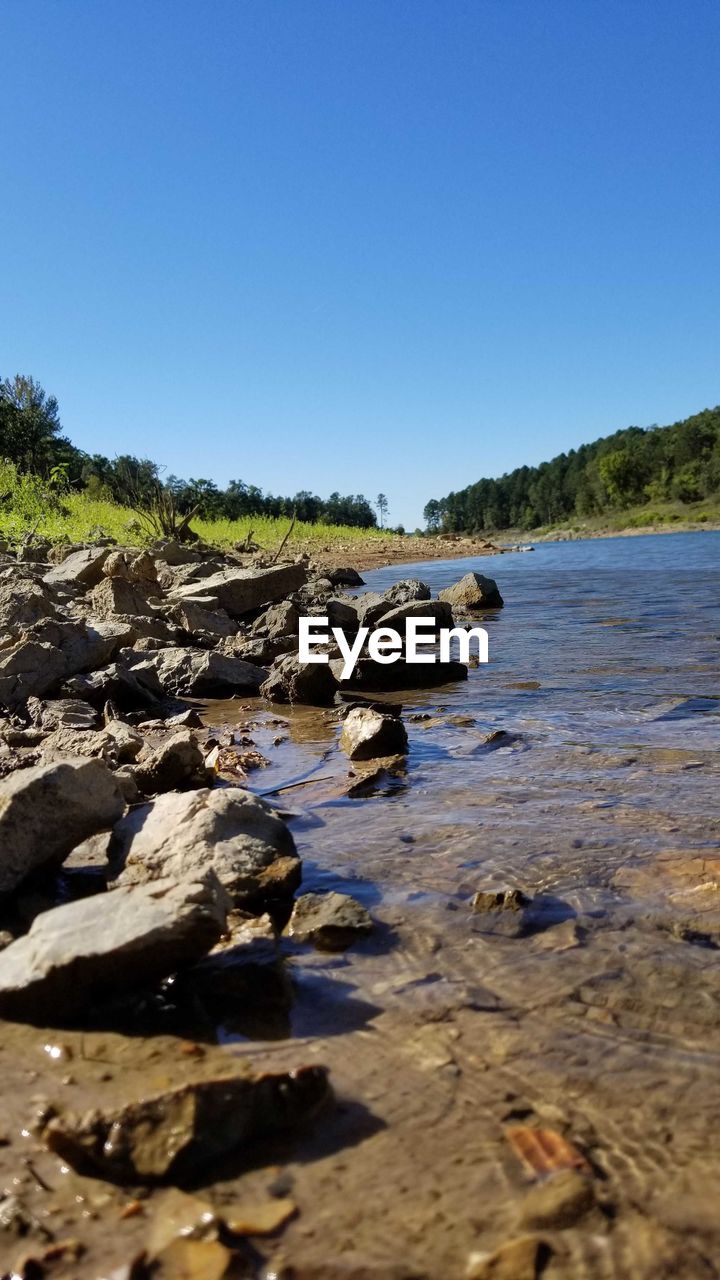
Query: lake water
(600,1017)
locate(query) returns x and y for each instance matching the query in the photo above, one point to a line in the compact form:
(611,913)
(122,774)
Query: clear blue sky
(360,244)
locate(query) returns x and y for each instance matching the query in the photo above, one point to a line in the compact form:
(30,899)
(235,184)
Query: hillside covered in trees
(31,438)
(632,467)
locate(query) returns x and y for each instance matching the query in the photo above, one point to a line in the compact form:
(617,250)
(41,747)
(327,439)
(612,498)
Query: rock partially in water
(231,830)
(345,578)
(368,734)
(330,921)
(372,677)
(291,680)
(500,899)
(407,589)
(473,591)
(397,614)
(87,951)
(48,809)
(176,1134)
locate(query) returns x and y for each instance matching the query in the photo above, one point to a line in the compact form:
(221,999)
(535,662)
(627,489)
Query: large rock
(291,680)
(50,652)
(279,620)
(239,591)
(116,594)
(236,833)
(109,944)
(177,762)
(81,568)
(195,617)
(345,578)
(398,614)
(407,589)
(201,672)
(173,1135)
(367,734)
(373,677)
(22,603)
(474,591)
(48,809)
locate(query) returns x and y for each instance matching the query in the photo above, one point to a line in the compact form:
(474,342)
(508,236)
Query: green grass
(28,504)
(652,514)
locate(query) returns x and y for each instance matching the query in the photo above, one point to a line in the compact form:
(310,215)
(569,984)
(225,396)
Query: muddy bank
(374,552)
(495,1055)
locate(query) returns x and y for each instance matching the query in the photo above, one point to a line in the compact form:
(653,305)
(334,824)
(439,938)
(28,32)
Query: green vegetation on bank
(49,510)
(637,478)
(31,438)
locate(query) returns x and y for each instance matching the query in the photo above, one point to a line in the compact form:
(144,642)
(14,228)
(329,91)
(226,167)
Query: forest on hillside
(31,438)
(634,466)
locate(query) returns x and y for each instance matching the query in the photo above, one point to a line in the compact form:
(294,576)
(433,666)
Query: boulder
(22,603)
(231,830)
(345,578)
(50,652)
(62,713)
(331,921)
(81,568)
(118,684)
(195,617)
(240,591)
(279,620)
(173,553)
(134,566)
(48,809)
(291,680)
(474,591)
(176,763)
(406,590)
(372,677)
(107,945)
(339,613)
(173,1135)
(367,733)
(396,615)
(200,672)
(119,595)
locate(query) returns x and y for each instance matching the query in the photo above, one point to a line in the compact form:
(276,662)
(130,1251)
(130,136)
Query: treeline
(634,466)
(31,437)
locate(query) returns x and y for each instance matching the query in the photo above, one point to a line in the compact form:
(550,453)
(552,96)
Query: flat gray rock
(239,591)
(107,945)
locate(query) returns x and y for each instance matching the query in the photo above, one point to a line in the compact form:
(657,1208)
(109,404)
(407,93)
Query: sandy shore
(375,553)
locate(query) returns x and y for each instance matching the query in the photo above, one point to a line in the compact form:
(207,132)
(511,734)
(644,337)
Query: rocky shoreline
(132,856)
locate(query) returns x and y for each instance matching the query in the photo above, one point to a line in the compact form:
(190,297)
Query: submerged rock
(367,734)
(474,591)
(48,809)
(177,1133)
(331,921)
(231,830)
(500,899)
(291,680)
(107,945)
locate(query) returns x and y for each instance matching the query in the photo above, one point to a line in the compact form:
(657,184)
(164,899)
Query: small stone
(331,921)
(500,899)
(368,733)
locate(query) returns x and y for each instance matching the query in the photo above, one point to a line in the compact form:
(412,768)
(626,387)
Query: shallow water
(601,1022)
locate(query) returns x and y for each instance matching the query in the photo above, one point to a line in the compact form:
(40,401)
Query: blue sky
(360,244)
